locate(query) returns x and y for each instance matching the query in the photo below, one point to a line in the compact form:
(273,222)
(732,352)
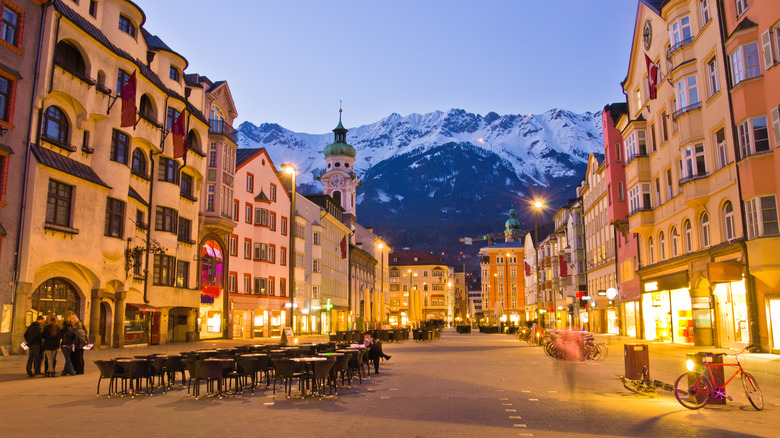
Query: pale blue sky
(290,62)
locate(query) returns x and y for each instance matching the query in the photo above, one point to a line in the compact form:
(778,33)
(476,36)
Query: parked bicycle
(573,345)
(693,389)
(645,385)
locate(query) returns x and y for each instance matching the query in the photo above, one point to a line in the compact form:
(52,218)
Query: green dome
(512,223)
(339,149)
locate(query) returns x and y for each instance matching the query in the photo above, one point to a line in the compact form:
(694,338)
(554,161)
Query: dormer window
(126,26)
(174,74)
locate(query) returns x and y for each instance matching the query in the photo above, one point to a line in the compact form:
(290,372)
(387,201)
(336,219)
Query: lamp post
(290,169)
(507,292)
(495,295)
(537,206)
(410,298)
(381,276)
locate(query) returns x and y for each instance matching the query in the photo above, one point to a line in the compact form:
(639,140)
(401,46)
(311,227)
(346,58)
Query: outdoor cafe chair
(173,365)
(211,373)
(285,371)
(322,376)
(141,372)
(106,368)
(341,369)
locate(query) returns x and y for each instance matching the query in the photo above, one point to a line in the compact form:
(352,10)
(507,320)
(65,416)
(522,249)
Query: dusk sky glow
(290,62)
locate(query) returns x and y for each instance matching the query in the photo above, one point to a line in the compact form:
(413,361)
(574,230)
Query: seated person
(374,351)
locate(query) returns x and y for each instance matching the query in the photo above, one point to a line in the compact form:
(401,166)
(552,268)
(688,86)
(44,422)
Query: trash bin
(637,357)
(699,359)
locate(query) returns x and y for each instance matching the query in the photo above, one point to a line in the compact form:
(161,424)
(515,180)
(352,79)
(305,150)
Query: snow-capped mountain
(456,172)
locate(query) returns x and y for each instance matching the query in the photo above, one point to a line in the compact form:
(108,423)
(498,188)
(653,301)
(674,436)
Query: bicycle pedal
(729,398)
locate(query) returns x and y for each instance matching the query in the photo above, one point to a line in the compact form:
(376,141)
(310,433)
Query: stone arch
(70,54)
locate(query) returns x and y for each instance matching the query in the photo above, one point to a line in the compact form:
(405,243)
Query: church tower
(340,180)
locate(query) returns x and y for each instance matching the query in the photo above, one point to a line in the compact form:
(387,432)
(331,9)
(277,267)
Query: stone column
(119,319)
(22,304)
(94,317)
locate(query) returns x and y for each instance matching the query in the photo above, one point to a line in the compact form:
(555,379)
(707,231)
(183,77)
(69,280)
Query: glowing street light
(537,207)
(290,169)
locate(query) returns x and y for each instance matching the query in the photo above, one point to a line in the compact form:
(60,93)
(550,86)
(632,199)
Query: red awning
(212,291)
(142,308)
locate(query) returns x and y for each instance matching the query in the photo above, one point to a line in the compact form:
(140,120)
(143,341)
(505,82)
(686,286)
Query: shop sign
(723,272)
(700,302)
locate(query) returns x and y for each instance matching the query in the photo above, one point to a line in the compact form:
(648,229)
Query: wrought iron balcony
(220,127)
(686,109)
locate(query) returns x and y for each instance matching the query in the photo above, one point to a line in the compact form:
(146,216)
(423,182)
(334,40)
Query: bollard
(637,358)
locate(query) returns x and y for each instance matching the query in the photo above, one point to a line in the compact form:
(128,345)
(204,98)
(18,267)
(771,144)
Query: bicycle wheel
(638,387)
(603,351)
(692,396)
(752,391)
(591,352)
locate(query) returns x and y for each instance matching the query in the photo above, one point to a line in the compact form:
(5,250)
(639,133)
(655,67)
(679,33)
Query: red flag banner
(527,269)
(652,78)
(563,266)
(179,146)
(127,94)
(344,247)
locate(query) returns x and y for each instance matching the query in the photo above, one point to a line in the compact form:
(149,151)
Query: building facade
(419,283)
(502,273)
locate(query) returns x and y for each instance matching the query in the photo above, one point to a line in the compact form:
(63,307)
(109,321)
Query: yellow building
(502,276)
(419,284)
(112,218)
(681,177)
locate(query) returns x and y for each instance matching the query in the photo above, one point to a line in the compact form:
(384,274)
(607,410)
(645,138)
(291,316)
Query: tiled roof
(261,197)
(145,71)
(747,23)
(407,258)
(135,195)
(70,166)
(243,155)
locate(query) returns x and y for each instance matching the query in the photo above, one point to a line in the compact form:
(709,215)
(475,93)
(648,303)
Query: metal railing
(679,46)
(220,127)
(686,109)
(693,178)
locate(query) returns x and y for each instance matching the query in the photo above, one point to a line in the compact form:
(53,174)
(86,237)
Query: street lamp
(381,278)
(290,169)
(507,292)
(495,293)
(537,207)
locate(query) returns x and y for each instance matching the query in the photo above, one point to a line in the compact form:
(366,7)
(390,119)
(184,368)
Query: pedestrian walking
(34,341)
(78,352)
(51,343)
(68,336)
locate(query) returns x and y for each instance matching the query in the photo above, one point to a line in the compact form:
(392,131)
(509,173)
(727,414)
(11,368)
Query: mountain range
(429,179)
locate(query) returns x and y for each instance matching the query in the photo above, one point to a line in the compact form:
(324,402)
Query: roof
(49,158)
(143,69)
(616,109)
(137,196)
(407,258)
(747,23)
(244,155)
(261,197)
(515,244)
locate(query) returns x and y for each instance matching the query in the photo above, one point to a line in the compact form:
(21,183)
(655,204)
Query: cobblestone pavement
(460,386)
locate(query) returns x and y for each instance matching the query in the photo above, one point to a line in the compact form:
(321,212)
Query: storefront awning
(212,291)
(142,308)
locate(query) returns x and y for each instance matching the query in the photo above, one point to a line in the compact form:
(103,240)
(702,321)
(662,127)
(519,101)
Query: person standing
(68,335)
(51,343)
(78,352)
(35,343)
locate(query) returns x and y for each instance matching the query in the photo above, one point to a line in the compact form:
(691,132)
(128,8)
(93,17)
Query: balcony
(80,75)
(696,190)
(686,109)
(220,127)
(678,46)
(641,220)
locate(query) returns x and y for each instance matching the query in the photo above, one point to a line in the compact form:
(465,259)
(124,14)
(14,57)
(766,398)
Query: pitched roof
(49,158)
(137,196)
(244,155)
(145,71)
(408,258)
(261,197)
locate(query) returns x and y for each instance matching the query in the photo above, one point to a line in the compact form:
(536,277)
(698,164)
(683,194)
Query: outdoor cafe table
(308,363)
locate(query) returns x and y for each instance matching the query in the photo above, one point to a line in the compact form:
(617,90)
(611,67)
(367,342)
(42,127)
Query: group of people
(45,340)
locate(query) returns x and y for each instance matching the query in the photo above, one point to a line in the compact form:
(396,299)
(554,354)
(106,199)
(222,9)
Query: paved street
(462,385)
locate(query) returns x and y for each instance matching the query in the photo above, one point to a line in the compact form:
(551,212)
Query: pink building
(626,245)
(258,247)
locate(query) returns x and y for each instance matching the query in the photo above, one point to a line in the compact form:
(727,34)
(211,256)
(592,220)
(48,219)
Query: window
(300,259)
(185,230)
(213,155)
(753,136)
(115,218)
(688,236)
(271,254)
(232,283)
(210,193)
(247,249)
(183,274)
(651,139)
(283,257)
(300,231)
(650,255)
(140,219)
(58,204)
(186,185)
(126,26)
(235,211)
(261,251)
(705,230)
(669,185)
(658,192)
(761,216)
(272,221)
(742,6)
(664,128)
(712,73)
(12,22)
(687,94)
(250,183)
(636,145)
(248,214)
(720,139)
(284,226)
(315,265)
(776,33)
(694,163)
(120,146)
(55,127)
(315,239)
(93,8)
(618,154)
(272,192)
(247,285)
(168,171)
(704,7)
(174,74)
(681,32)
(662,246)
(261,217)
(121,77)
(6,97)
(138,164)
(164,268)
(171,117)
(744,63)
(728,220)
(166,219)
